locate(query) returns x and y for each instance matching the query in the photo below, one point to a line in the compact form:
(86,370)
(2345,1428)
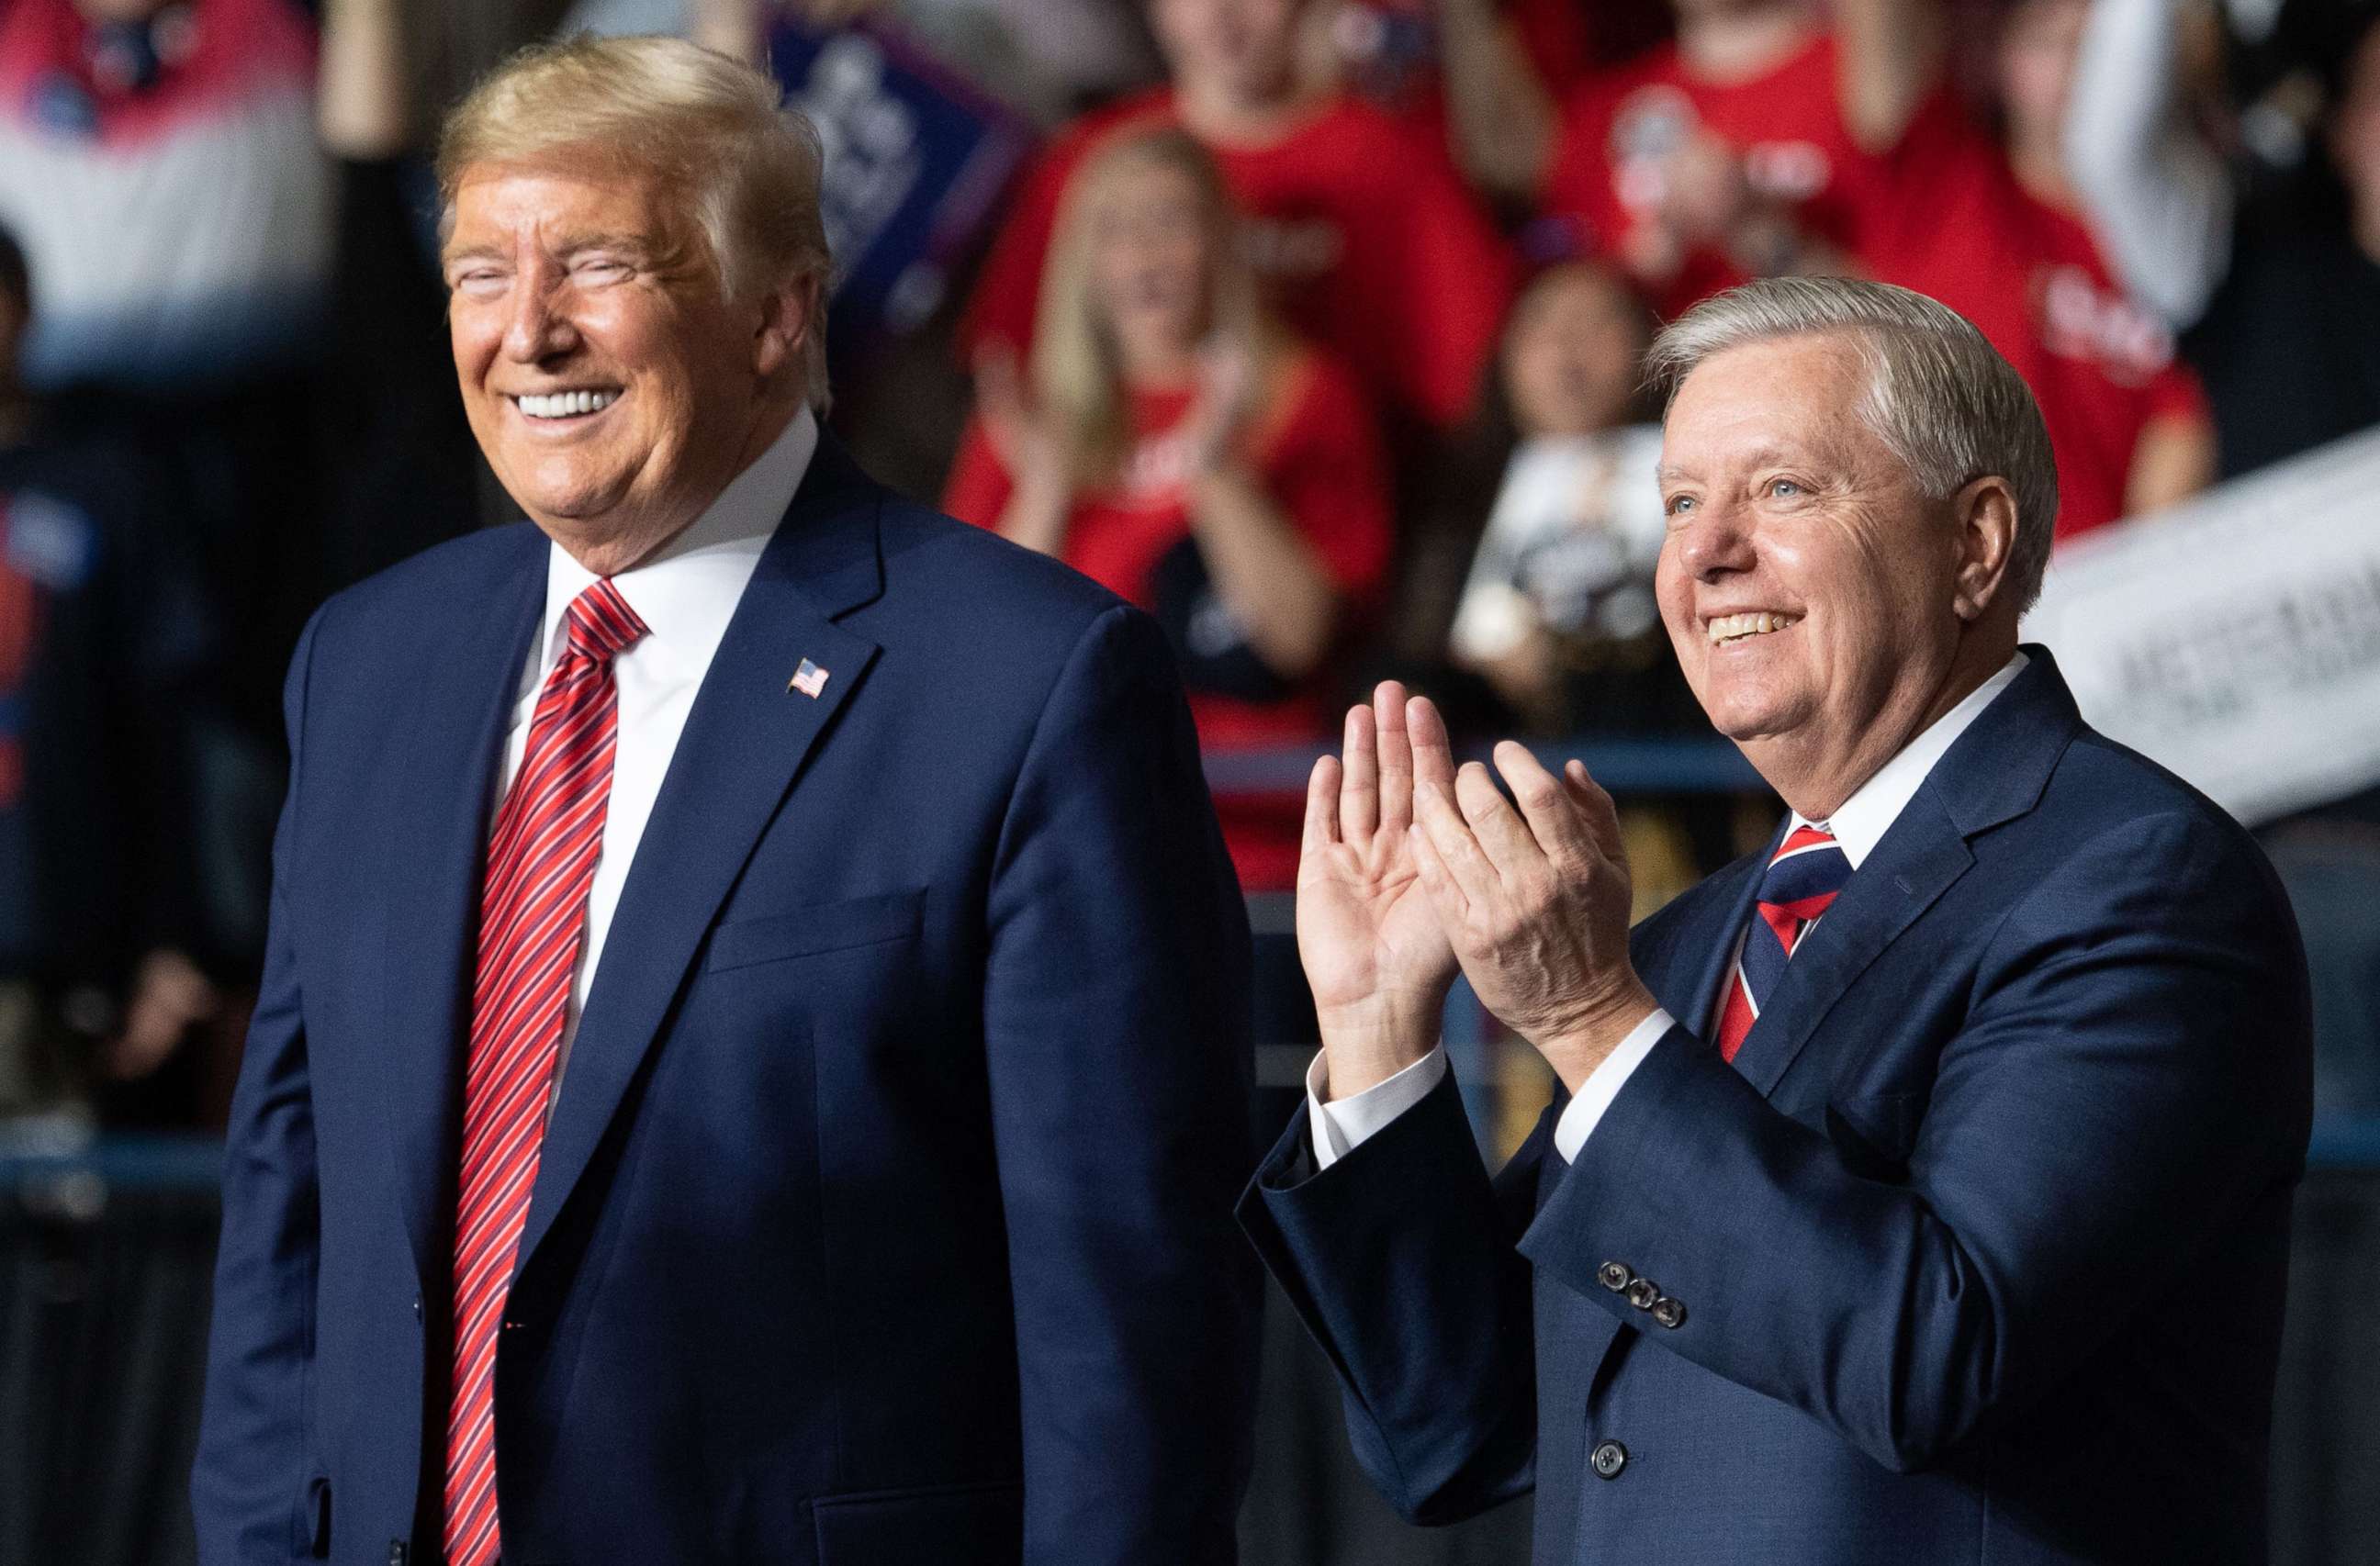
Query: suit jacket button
(1643,1293)
(1608,1460)
(1669,1312)
(1613,1276)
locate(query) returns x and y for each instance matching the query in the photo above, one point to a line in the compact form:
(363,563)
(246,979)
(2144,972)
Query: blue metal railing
(192,1165)
(1622,763)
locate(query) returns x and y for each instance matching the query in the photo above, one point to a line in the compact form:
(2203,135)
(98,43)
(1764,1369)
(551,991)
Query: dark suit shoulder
(2101,789)
(977,587)
(444,582)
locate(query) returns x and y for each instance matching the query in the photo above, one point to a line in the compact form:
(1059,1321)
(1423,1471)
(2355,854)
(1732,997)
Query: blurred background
(1388,266)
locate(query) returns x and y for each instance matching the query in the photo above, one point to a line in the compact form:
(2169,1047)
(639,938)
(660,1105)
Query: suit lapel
(1994,772)
(435,837)
(744,741)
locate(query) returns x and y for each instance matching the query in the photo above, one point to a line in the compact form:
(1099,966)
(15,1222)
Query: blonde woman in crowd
(1168,437)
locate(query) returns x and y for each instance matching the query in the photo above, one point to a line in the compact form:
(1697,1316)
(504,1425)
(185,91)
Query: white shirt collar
(1869,813)
(687,590)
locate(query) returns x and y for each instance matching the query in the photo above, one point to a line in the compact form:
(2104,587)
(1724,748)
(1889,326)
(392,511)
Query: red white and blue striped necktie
(1802,881)
(541,858)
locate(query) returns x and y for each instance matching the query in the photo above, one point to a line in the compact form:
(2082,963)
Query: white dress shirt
(685,594)
(1338,1126)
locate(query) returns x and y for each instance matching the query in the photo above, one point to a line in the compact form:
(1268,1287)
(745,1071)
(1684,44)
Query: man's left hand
(1535,903)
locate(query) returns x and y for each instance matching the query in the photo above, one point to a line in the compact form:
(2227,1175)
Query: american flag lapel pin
(810,680)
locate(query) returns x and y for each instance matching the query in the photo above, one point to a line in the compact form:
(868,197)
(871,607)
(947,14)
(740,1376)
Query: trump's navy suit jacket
(884,1214)
(1977,1249)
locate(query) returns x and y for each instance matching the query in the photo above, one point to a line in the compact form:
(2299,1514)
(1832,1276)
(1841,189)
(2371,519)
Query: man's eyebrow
(633,245)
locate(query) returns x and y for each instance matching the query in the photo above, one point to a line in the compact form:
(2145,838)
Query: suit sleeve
(2132,1071)
(1399,1260)
(1117,1024)
(249,1487)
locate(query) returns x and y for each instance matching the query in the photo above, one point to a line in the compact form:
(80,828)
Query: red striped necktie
(1801,883)
(532,915)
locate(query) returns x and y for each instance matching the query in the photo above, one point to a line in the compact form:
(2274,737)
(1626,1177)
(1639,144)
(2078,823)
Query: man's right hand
(1377,960)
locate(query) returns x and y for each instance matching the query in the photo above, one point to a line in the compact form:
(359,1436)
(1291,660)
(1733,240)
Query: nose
(537,328)
(1715,541)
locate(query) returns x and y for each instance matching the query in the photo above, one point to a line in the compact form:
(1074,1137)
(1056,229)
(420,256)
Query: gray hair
(713,129)
(1938,394)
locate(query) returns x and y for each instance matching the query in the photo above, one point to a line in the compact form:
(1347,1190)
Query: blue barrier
(1622,763)
(193,1165)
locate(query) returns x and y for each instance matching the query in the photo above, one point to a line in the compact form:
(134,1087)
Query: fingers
(1389,718)
(1465,863)
(1554,812)
(1595,809)
(1321,807)
(1359,784)
(1446,898)
(1498,828)
(1433,752)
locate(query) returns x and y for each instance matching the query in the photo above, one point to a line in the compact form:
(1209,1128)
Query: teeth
(566,404)
(1732,627)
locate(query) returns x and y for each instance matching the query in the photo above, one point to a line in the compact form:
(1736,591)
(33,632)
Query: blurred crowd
(1312,326)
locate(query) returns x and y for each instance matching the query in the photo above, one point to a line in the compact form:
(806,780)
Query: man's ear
(1983,513)
(789,313)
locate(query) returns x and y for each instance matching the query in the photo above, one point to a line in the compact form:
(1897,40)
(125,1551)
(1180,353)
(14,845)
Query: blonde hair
(1076,368)
(696,122)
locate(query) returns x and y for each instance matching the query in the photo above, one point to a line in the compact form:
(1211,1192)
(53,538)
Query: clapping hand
(1535,903)
(1378,963)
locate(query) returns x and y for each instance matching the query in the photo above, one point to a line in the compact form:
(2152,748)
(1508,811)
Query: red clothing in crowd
(2030,277)
(1316,453)
(1368,240)
(1786,124)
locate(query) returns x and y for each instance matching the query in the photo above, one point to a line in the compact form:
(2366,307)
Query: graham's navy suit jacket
(1976,1251)
(884,1214)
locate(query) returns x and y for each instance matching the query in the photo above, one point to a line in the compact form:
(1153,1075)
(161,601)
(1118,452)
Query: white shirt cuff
(1603,1084)
(1342,1125)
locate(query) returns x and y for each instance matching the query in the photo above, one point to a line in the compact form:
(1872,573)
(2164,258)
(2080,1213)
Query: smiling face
(1571,353)
(613,385)
(1812,591)
(1151,261)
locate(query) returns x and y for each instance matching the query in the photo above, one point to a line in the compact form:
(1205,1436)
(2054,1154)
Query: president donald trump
(1916,1189)
(752,1060)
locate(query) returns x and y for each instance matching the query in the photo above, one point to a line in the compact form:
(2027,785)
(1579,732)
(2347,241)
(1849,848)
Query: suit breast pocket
(855,922)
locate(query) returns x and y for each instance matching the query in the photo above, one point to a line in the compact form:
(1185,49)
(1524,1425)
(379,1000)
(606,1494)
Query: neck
(1215,113)
(1815,780)
(1743,42)
(627,542)
(2040,170)
(1157,367)
(16,416)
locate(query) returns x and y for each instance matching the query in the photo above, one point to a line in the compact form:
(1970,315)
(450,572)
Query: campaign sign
(2236,639)
(915,160)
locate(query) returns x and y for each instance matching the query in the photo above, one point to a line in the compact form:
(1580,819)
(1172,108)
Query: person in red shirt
(1365,237)
(1168,440)
(1738,149)
(1989,226)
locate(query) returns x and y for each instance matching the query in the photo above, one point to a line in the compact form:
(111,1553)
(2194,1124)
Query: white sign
(2236,639)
